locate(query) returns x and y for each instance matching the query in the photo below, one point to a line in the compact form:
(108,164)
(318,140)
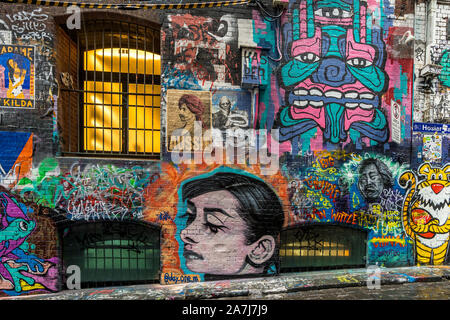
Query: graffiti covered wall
(322,96)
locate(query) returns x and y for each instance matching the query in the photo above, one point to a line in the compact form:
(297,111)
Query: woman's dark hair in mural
(259,206)
(374,176)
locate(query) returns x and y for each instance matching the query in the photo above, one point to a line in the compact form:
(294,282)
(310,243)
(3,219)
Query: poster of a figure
(188,117)
(231,109)
(17,74)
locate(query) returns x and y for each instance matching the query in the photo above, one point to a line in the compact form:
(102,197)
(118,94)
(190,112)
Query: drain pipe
(431,6)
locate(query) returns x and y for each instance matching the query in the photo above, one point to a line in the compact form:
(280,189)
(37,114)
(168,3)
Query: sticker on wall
(396,126)
(17,76)
(5,37)
(432,147)
(188,117)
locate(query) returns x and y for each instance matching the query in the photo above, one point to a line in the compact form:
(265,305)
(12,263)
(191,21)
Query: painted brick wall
(328,118)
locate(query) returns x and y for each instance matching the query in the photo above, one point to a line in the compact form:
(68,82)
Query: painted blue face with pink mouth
(335,76)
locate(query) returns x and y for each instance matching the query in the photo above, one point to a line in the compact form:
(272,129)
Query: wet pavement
(409,291)
(332,284)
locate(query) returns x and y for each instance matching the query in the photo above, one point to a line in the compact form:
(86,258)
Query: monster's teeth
(351,105)
(316,103)
(333,94)
(366,96)
(301,92)
(301,103)
(315,92)
(366,106)
(351,95)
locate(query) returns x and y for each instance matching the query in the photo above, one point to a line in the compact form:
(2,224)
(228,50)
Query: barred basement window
(112,252)
(110,89)
(317,247)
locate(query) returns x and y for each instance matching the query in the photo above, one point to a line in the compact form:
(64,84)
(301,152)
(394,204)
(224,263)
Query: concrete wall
(324,95)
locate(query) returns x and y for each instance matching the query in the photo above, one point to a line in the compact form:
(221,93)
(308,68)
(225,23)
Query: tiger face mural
(426,212)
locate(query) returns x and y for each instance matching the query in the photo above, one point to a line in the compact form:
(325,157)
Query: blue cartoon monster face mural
(334,76)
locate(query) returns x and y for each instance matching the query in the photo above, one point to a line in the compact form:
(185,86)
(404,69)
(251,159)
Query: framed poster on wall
(17,75)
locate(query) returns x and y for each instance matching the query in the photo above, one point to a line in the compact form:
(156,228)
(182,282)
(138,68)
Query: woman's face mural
(215,233)
(231,224)
(335,77)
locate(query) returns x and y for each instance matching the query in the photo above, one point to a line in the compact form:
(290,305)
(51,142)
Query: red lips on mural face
(422,217)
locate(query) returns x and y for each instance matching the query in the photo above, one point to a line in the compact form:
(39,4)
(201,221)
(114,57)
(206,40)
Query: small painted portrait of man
(186,110)
(374,176)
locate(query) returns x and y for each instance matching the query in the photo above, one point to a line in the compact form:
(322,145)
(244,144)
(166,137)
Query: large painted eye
(359,62)
(307,57)
(23,226)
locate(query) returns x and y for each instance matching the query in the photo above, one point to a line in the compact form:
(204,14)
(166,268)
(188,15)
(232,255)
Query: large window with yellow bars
(112,104)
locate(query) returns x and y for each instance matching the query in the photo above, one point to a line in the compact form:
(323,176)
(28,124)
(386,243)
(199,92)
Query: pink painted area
(359,50)
(258,23)
(313,45)
(373,3)
(49,279)
(355,115)
(276,94)
(363,24)
(303,21)
(285,147)
(308,84)
(317,114)
(366,141)
(317,142)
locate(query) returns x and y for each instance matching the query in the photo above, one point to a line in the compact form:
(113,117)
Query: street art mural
(444,61)
(20,270)
(16,162)
(329,75)
(229,217)
(353,190)
(335,75)
(17,76)
(88,192)
(426,212)
(201,51)
(223,221)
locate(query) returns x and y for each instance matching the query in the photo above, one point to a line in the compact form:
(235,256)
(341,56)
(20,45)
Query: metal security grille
(113,253)
(112,100)
(322,247)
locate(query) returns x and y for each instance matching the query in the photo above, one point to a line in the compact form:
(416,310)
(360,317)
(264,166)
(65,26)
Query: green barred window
(111,253)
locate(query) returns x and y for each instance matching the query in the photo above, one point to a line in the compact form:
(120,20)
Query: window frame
(76,145)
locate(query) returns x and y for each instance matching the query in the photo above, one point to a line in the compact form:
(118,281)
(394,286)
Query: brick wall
(330,102)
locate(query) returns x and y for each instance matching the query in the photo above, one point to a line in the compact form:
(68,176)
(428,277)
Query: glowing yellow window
(121,110)
(102,116)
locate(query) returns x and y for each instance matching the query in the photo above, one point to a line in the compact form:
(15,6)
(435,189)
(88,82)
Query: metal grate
(322,247)
(113,253)
(114,106)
